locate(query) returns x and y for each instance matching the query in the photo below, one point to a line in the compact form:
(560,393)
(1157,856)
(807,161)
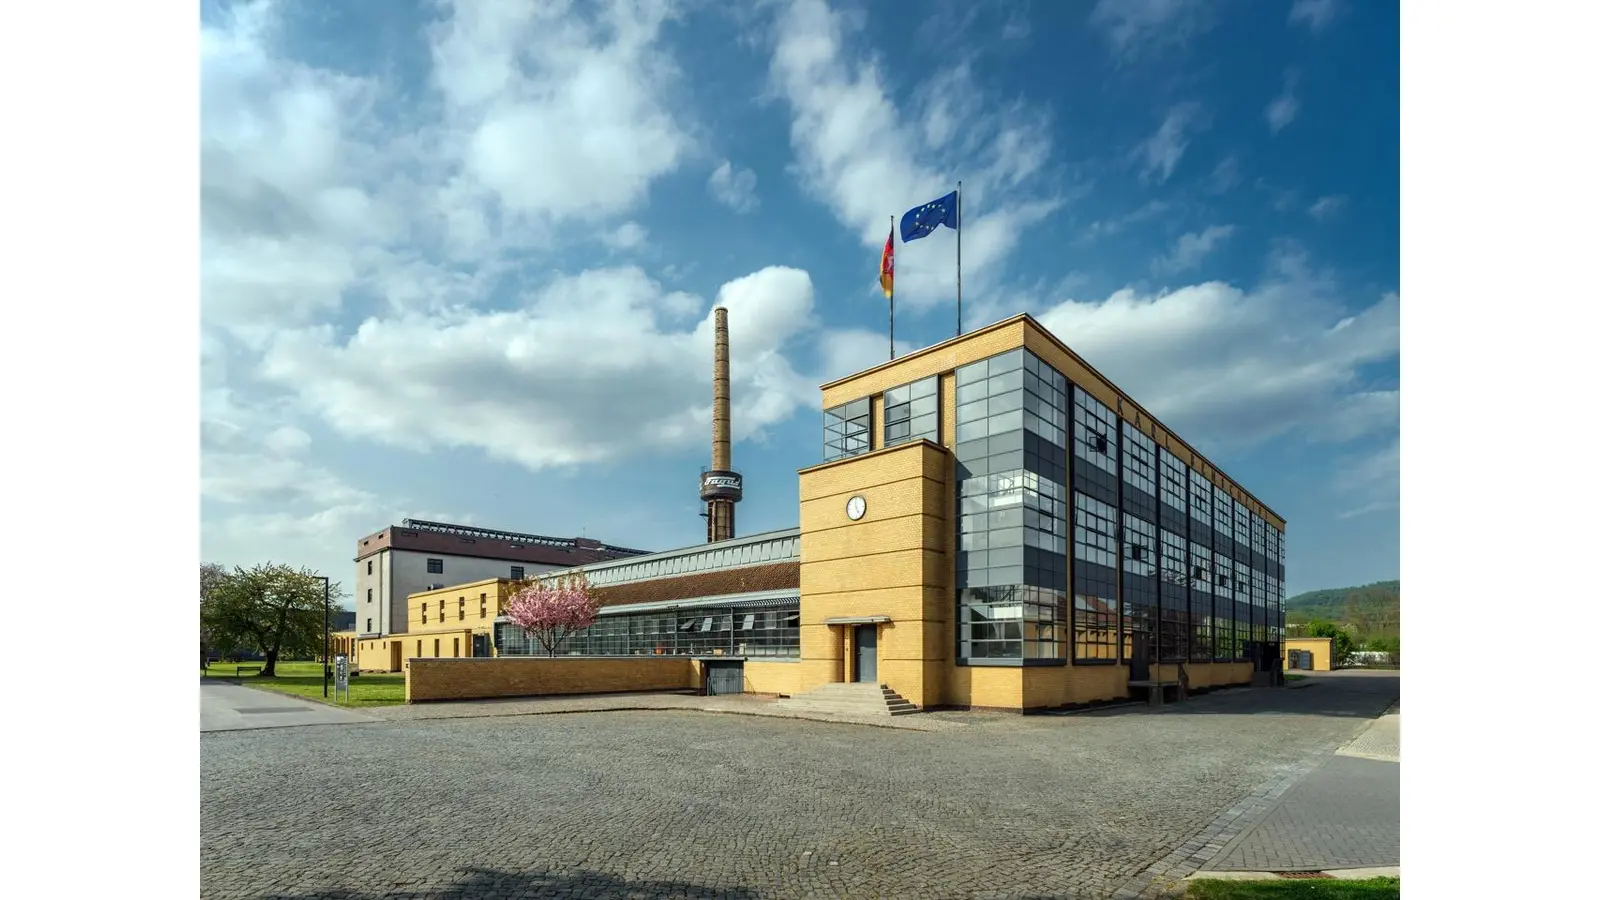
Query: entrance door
(724,678)
(480,645)
(394,657)
(1139,662)
(866,653)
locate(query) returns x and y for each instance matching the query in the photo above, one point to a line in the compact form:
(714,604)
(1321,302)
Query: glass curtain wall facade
(1011,573)
(1157,549)
(847,430)
(911,412)
(749,630)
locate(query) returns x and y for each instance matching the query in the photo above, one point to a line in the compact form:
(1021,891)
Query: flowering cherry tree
(550,610)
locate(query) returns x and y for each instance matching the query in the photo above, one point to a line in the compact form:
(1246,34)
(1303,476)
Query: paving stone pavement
(688,804)
(737,704)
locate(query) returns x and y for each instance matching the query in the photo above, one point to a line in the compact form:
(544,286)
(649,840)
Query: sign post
(341,677)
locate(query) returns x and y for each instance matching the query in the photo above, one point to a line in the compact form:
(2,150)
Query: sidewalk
(1343,815)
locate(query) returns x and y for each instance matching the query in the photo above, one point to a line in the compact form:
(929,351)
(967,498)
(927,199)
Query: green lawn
(1294,678)
(304,679)
(1295,889)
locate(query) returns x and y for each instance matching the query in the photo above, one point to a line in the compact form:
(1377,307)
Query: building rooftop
(424,536)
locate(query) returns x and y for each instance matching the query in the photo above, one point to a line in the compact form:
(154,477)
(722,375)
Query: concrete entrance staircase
(847,699)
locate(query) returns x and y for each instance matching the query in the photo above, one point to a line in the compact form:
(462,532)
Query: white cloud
(1159,154)
(288,440)
(867,159)
(558,117)
(627,236)
(1286,106)
(1138,27)
(1107,227)
(527,384)
(733,188)
(327,197)
(1325,207)
(1314,15)
(1192,248)
(1224,176)
(1225,366)
(535,118)
(845,351)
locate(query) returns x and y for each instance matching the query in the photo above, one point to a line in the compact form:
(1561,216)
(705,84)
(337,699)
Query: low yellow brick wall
(536,676)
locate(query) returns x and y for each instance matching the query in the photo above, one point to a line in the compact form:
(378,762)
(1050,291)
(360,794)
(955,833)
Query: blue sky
(458,259)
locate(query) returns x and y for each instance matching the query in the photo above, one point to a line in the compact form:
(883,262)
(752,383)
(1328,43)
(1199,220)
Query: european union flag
(922,220)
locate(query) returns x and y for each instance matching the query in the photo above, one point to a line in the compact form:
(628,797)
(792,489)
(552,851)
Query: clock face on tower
(856,507)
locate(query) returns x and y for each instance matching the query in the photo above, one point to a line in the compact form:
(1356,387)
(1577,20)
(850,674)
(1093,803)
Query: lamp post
(325,660)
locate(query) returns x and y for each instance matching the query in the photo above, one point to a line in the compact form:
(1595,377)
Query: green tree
(271,607)
(211,576)
(1373,610)
(1342,644)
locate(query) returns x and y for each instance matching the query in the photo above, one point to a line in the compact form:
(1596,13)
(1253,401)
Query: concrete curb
(1336,874)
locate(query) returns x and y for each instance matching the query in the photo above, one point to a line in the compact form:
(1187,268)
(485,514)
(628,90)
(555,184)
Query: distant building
(417,556)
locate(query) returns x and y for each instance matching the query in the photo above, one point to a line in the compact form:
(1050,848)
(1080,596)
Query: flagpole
(891,295)
(960,225)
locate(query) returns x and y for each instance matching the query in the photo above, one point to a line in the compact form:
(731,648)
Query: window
(435,567)
(1138,581)
(1199,508)
(1172,633)
(1201,613)
(369,626)
(1174,492)
(369,567)
(765,631)
(1044,401)
(369,595)
(1094,432)
(456,647)
(483,606)
(1138,472)
(1013,529)
(911,412)
(1094,580)
(1222,520)
(424,614)
(461,609)
(847,430)
(1225,644)
(436,645)
(516,573)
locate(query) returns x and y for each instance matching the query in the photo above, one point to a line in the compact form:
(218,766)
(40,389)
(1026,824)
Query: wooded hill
(1369,608)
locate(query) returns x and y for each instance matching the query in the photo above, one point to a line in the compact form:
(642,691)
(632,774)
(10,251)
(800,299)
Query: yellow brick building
(455,622)
(1314,654)
(993,524)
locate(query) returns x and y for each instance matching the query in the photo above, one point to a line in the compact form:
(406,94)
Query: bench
(239,671)
(1158,690)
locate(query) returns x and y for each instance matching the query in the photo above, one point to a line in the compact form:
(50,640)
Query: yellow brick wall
(373,655)
(984,687)
(484,601)
(895,561)
(785,678)
(1321,652)
(533,676)
(448,642)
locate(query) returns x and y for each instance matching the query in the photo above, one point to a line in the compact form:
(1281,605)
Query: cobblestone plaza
(686,804)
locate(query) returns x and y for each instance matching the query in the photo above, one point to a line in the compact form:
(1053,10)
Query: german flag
(886,265)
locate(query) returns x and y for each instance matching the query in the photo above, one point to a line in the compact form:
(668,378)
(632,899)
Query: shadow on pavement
(483,883)
(1355,695)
